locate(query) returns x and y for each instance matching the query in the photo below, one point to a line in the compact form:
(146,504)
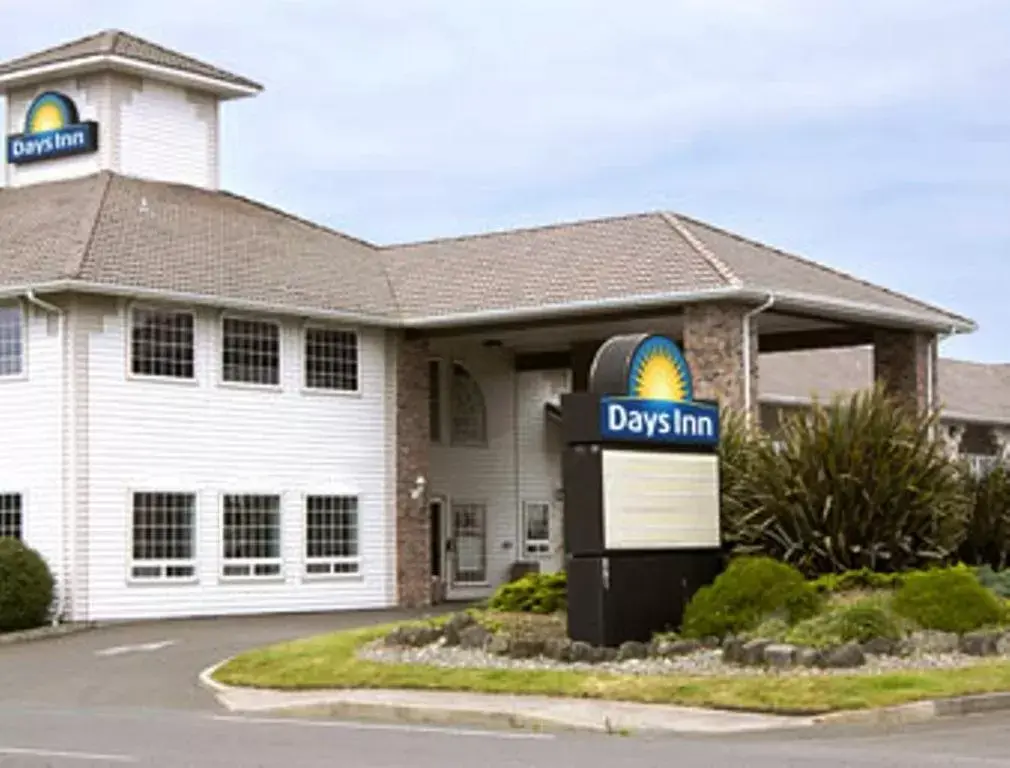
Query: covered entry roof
(114,234)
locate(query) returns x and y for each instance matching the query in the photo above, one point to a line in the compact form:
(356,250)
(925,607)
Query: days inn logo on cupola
(659,404)
(53,129)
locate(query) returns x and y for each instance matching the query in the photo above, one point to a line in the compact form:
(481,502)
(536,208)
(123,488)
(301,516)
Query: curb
(921,711)
(46,633)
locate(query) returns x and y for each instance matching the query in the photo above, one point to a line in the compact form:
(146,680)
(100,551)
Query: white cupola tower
(114,102)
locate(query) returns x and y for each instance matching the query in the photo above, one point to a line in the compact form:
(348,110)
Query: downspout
(67,457)
(748,396)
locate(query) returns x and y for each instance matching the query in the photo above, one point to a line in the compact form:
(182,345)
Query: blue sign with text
(52,129)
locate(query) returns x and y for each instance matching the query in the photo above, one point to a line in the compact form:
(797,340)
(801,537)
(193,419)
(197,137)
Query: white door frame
(464,590)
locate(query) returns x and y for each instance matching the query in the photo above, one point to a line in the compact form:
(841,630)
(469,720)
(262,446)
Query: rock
(844,656)
(1003,645)
(582,653)
(780,655)
(474,636)
(667,649)
(417,636)
(753,651)
(395,637)
(980,643)
(525,648)
(559,649)
(732,651)
(455,625)
(499,645)
(933,641)
(604,655)
(880,646)
(632,649)
(708,643)
(808,657)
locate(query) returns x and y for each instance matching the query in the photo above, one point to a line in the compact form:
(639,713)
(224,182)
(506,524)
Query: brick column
(713,346)
(902,361)
(413,553)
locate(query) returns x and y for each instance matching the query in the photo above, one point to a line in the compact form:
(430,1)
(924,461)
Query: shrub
(855,623)
(26,587)
(997,581)
(949,599)
(740,447)
(750,590)
(850,581)
(858,483)
(987,539)
(533,593)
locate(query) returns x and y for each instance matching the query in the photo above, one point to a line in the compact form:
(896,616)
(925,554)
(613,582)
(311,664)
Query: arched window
(469,415)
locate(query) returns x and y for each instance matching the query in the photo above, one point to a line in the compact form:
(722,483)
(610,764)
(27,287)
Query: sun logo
(658,371)
(50,112)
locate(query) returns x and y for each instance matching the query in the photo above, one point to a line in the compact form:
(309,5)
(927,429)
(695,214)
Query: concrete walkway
(489,710)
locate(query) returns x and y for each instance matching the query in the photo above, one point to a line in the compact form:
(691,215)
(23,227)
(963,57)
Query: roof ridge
(74,266)
(55,49)
(721,267)
(826,268)
(518,230)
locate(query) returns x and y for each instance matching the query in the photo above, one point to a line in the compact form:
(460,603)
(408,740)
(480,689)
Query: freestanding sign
(641,480)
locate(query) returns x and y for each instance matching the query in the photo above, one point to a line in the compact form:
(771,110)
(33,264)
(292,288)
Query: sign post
(641,485)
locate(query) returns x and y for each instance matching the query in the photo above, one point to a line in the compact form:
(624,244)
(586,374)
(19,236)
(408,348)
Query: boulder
(808,657)
(632,649)
(525,648)
(673,648)
(455,625)
(499,645)
(980,643)
(880,646)
(932,641)
(780,655)
(753,652)
(474,637)
(844,656)
(414,636)
(604,654)
(582,653)
(732,651)
(559,649)
(1003,645)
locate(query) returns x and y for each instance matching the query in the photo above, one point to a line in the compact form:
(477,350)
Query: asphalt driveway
(150,665)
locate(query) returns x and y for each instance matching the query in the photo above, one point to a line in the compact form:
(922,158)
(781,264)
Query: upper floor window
(250,351)
(10,516)
(11,341)
(469,415)
(331,359)
(162,343)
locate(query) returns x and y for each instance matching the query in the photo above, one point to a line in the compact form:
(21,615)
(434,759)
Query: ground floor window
(10,516)
(164,535)
(469,535)
(252,536)
(331,535)
(537,528)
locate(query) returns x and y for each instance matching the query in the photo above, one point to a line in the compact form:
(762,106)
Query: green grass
(329,661)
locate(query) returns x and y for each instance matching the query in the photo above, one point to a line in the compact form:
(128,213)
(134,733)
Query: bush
(997,581)
(949,599)
(859,483)
(987,539)
(26,587)
(740,447)
(750,590)
(850,581)
(855,623)
(533,593)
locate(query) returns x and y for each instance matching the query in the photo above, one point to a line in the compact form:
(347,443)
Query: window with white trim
(12,350)
(435,400)
(164,536)
(331,359)
(250,351)
(331,535)
(10,516)
(469,414)
(251,532)
(162,343)
(537,528)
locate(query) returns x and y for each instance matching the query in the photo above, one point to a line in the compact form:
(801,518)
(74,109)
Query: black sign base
(629,596)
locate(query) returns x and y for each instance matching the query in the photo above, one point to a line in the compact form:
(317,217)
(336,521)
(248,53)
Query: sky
(869,135)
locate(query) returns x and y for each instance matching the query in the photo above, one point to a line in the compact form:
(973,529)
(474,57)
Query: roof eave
(945,413)
(222,88)
(220,302)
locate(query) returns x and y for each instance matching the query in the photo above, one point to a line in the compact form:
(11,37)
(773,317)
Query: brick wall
(901,363)
(413,554)
(713,346)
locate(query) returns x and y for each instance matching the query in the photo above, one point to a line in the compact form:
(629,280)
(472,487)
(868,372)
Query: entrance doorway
(436,523)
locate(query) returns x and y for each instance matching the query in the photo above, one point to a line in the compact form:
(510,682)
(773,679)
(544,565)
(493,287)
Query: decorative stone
(732,650)
(604,655)
(1003,645)
(754,651)
(844,656)
(880,646)
(454,627)
(708,643)
(632,649)
(525,648)
(474,636)
(933,641)
(980,643)
(499,645)
(667,649)
(559,649)
(808,657)
(780,655)
(582,652)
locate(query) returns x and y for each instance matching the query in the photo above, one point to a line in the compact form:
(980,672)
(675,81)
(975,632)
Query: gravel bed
(702,663)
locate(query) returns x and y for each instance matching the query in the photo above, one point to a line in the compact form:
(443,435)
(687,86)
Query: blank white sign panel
(655,500)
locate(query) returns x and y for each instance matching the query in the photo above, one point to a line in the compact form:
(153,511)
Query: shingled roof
(119,232)
(113,42)
(966,390)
